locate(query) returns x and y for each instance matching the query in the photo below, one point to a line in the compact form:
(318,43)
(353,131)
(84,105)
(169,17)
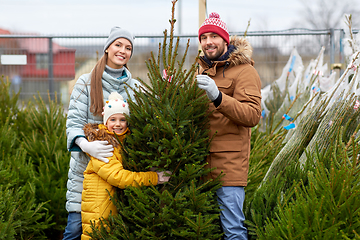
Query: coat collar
(95,131)
(102,126)
(224,57)
(120,82)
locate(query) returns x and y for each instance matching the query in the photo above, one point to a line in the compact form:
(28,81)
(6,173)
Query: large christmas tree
(168,132)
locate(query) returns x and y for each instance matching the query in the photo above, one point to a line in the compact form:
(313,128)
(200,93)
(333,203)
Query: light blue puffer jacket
(78,116)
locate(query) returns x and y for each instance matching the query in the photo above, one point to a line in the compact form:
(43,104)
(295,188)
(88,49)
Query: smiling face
(213,45)
(119,53)
(116,123)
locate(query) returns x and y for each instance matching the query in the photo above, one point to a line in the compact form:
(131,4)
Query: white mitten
(162,178)
(98,149)
(208,84)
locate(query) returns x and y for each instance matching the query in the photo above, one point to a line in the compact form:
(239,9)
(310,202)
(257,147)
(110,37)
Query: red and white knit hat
(214,24)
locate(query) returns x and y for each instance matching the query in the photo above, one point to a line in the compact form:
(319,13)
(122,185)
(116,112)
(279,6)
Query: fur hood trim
(242,53)
(99,132)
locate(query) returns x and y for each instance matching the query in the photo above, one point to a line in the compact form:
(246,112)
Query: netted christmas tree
(168,132)
(317,128)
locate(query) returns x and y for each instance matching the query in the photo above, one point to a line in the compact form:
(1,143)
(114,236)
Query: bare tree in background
(326,14)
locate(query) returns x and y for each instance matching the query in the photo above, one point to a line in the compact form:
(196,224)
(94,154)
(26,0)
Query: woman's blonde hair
(96,91)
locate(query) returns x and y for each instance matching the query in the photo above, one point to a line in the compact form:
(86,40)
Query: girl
(101,179)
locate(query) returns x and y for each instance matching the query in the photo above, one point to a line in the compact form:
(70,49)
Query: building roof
(36,45)
(4,32)
(41,45)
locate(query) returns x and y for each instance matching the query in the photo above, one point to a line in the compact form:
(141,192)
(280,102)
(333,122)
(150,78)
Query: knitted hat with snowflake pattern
(214,24)
(115,104)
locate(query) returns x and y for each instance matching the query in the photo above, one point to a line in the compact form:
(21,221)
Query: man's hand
(97,149)
(208,84)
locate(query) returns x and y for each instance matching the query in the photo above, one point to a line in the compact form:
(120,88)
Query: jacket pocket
(226,86)
(226,146)
(252,93)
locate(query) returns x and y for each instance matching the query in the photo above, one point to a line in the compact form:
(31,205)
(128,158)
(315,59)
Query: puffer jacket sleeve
(77,113)
(114,173)
(244,107)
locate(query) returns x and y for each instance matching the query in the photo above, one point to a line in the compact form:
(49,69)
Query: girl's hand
(163,176)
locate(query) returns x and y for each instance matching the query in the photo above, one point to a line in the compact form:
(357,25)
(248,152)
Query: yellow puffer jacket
(100,177)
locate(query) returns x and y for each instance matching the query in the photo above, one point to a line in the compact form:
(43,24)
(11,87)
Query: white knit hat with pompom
(115,104)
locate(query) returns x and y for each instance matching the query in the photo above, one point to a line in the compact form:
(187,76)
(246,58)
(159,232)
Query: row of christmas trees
(310,179)
(34,163)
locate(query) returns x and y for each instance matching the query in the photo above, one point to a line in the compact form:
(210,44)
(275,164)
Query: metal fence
(42,64)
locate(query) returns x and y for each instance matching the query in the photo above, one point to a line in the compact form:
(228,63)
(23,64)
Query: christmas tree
(169,131)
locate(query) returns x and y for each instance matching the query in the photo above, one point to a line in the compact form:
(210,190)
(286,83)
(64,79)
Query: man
(227,75)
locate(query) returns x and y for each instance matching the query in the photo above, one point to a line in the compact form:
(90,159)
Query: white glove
(208,84)
(97,149)
(162,178)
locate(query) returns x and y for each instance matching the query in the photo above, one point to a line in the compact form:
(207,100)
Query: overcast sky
(59,17)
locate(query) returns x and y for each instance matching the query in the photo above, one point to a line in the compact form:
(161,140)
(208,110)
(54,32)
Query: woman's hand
(97,149)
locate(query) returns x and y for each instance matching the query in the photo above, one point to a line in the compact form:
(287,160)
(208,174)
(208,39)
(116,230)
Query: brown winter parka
(238,112)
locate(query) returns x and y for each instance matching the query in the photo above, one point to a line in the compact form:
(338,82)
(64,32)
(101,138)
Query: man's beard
(218,54)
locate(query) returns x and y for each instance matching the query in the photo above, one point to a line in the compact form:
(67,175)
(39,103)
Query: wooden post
(202,14)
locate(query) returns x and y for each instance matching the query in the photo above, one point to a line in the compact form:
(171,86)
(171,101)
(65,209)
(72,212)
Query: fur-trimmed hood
(242,53)
(99,132)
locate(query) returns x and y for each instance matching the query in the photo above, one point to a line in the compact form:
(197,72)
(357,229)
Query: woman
(110,74)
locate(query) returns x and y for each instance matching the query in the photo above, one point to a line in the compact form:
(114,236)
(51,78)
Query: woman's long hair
(96,91)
